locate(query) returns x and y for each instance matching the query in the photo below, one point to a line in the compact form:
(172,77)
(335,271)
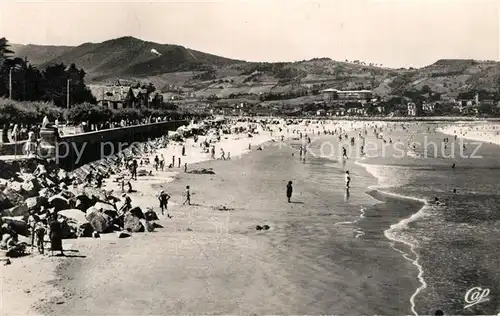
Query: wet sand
(207,261)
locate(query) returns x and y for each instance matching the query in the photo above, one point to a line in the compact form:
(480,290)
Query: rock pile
(36,188)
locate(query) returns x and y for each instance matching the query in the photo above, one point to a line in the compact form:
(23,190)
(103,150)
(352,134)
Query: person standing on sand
(134,169)
(185,167)
(55,234)
(157,162)
(213,152)
(163,198)
(183,150)
(179,162)
(173,161)
(289,190)
(188,196)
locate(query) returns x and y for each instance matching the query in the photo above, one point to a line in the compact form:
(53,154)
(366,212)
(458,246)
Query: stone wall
(72,151)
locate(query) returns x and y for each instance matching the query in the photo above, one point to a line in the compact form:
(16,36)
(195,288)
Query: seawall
(72,151)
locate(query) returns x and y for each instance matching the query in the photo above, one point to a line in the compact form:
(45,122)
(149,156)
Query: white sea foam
(394,231)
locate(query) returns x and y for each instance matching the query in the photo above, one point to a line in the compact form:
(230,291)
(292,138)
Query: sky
(395,33)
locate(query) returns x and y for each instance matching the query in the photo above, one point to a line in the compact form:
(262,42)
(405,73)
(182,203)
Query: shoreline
(179,183)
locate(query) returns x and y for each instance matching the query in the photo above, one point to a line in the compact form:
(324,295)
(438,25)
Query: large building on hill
(332,95)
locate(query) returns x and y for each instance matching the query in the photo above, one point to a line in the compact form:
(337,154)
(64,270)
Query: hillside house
(113,97)
(118,97)
(412,109)
(429,108)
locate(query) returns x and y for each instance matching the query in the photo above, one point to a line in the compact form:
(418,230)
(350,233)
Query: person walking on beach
(179,162)
(185,167)
(289,190)
(173,161)
(347,180)
(183,150)
(163,198)
(188,196)
(213,152)
(222,154)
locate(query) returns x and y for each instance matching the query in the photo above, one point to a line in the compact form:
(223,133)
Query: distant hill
(207,74)
(39,54)
(125,56)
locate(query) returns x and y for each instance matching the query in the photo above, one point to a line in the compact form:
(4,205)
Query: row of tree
(28,83)
(32,113)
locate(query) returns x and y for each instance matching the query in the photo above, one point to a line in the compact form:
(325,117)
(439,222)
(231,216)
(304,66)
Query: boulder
(30,188)
(34,203)
(19,210)
(148,226)
(258,227)
(46,192)
(15,186)
(150,215)
(62,175)
(122,235)
(58,202)
(69,230)
(4,201)
(3,184)
(7,170)
(18,225)
(104,207)
(13,197)
(137,212)
(132,224)
(83,202)
(5,212)
(100,222)
(85,230)
(91,211)
(74,215)
(266,227)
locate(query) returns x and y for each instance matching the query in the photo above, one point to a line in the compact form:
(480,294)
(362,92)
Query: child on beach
(289,191)
(188,196)
(163,198)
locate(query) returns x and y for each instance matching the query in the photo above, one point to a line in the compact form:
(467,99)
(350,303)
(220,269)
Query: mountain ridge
(131,58)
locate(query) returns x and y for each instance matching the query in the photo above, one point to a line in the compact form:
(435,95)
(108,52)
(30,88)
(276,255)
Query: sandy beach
(329,251)
(208,261)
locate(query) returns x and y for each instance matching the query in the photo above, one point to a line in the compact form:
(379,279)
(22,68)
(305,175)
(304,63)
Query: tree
(55,80)
(484,108)
(4,49)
